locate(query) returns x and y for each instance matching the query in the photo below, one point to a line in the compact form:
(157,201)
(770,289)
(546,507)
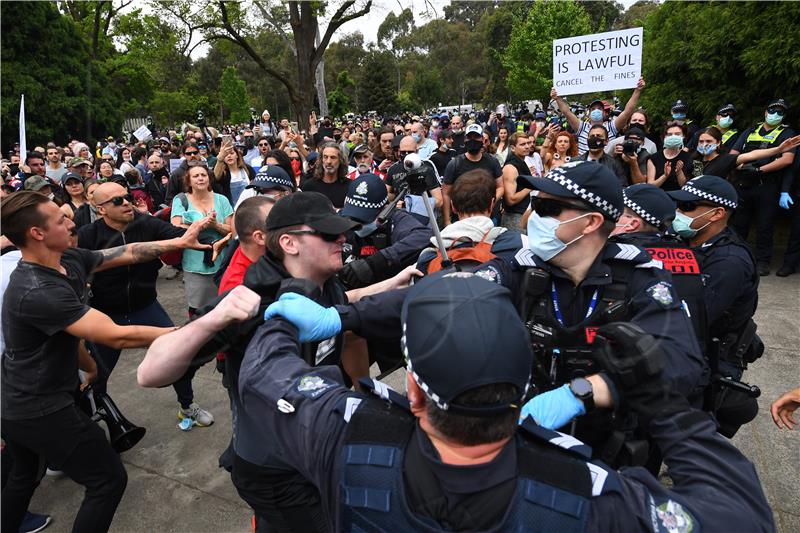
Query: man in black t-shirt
(473,159)
(444,153)
(516,191)
(330,176)
(45,314)
(396,181)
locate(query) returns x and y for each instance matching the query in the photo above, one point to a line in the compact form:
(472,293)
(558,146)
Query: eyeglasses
(327,237)
(109,159)
(195,152)
(550,207)
(119,200)
(777,110)
(688,206)
(263,144)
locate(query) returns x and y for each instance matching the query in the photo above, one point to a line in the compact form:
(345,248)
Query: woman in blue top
(198,202)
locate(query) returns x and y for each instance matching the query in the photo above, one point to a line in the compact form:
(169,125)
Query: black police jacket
(127,288)
(311,430)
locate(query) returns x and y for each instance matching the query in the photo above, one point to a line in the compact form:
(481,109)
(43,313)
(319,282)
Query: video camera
(253,117)
(630,148)
(201,118)
(415,174)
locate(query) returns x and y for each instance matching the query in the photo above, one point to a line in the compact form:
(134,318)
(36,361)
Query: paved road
(176,486)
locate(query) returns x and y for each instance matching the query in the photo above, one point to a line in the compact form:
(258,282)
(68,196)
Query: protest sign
(598,62)
(143,134)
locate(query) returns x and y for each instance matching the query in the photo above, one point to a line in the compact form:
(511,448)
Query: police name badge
(312,386)
(661,293)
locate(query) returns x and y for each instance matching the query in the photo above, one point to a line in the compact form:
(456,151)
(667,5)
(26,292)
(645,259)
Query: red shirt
(234,274)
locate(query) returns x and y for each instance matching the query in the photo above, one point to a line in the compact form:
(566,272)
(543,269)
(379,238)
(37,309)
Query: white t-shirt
(535,163)
(239,175)
(648,145)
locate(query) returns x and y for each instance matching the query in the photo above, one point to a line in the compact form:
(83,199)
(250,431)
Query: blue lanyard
(557,309)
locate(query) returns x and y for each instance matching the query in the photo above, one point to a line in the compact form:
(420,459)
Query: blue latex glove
(553,409)
(786,200)
(314,322)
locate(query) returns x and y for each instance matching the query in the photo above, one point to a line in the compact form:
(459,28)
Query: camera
(415,174)
(253,117)
(630,148)
(201,118)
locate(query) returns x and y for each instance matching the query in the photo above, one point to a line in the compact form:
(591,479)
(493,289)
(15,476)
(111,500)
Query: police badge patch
(674,518)
(661,293)
(312,386)
(489,273)
(362,188)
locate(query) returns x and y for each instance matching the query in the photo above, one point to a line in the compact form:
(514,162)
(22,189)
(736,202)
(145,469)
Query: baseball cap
(727,108)
(110,138)
(635,130)
(651,203)
(711,189)
(779,102)
(596,101)
(474,128)
(360,149)
(591,182)
(311,157)
(366,195)
(164,139)
(70,176)
(309,208)
(272,177)
(539,115)
(77,161)
(35,183)
(461,332)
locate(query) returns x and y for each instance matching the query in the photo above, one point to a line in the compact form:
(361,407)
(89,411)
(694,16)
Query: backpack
(464,253)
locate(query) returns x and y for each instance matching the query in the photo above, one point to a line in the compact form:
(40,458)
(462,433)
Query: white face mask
(542,239)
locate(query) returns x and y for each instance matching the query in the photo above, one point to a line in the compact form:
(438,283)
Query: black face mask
(249,142)
(337,136)
(595,143)
(473,146)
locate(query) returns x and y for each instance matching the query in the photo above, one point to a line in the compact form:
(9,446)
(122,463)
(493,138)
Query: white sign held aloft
(598,62)
(23,147)
(143,134)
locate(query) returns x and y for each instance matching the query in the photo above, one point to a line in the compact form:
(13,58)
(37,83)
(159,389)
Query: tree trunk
(322,95)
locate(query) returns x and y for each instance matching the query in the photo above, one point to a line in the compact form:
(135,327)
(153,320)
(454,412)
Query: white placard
(174,164)
(598,62)
(143,134)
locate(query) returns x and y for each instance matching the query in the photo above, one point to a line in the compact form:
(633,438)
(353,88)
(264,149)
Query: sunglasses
(688,206)
(403,154)
(119,200)
(777,110)
(725,114)
(263,144)
(550,207)
(327,237)
(195,152)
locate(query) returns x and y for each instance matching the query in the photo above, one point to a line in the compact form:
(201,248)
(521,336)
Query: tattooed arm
(141,252)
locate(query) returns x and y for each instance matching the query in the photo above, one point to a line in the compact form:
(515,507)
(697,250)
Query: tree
(339,98)
(529,56)
(636,15)
(468,12)
(234,95)
(603,14)
(56,104)
(376,90)
(426,88)
(233,21)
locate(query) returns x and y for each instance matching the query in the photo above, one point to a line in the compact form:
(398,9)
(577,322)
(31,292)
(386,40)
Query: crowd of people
(570,291)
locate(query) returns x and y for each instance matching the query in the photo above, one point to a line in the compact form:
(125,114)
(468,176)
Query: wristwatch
(582,389)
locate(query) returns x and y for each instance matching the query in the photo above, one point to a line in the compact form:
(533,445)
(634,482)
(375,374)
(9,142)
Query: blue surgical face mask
(706,149)
(417,137)
(679,116)
(542,239)
(773,119)
(683,224)
(596,115)
(673,141)
(725,122)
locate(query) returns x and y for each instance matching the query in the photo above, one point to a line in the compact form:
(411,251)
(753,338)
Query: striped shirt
(583,134)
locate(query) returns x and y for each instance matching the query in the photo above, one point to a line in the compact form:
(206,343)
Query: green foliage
(395,26)
(426,88)
(468,12)
(233,92)
(712,53)
(376,90)
(529,55)
(45,57)
(339,98)
(603,14)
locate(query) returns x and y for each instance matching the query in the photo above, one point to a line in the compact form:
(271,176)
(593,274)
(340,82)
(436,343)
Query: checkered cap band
(424,386)
(559,176)
(639,210)
(355,202)
(277,180)
(708,196)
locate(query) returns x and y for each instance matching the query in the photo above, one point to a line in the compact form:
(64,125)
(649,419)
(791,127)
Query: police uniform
(729,136)
(377,470)
(731,281)
(377,251)
(759,191)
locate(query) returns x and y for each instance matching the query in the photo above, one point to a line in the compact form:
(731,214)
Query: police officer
(705,206)
(679,112)
(451,457)
(724,123)
(383,248)
(759,186)
(648,214)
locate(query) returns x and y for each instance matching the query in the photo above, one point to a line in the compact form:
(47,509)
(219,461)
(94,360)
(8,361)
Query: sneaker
(784,271)
(34,522)
(200,416)
(54,473)
(763,269)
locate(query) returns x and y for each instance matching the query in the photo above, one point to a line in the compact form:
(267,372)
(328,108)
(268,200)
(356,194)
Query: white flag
(23,149)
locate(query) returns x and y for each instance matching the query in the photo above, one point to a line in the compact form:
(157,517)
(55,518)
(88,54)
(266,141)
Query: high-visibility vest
(763,140)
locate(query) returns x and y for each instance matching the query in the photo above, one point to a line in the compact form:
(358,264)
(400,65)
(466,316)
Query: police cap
(650,203)
(712,189)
